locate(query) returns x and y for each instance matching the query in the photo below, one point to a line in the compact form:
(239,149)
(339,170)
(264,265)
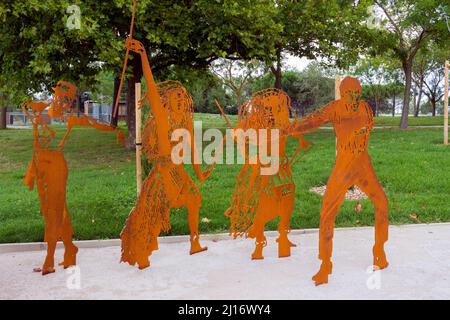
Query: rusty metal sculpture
(168,185)
(352,120)
(258,199)
(48,168)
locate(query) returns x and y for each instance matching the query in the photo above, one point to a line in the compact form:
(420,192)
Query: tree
(395,88)
(434,89)
(236,75)
(8,97)
(327,29)
(203,86)
(3,110)
(37,48)
(308,90)
(374,75)
(408,26)
(419,71)
(428,74)
(377,96)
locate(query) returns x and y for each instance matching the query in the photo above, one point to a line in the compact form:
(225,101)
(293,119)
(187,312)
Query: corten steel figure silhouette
(352,120)
(48,168)
(258,199)
(168,185)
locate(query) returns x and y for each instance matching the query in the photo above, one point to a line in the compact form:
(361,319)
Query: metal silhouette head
(350,89)
(63,97)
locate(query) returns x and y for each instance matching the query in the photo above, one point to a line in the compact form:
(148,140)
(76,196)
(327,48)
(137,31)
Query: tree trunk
(277,75)
(407,68)
(79,104)
(415,101)
(433,107)
(419,99)
(115,118)
(2,117)
(376,107)
(131,94)
(276,70)
(238,94)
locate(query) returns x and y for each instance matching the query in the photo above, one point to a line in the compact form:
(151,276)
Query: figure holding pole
(168,185)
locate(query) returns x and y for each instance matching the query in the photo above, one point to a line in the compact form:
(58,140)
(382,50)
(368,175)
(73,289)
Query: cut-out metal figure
(168,185)
(258,199)
(48,168)
(352,120)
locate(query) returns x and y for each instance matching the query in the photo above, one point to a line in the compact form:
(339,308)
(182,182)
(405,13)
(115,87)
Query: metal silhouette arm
(86,121)
(314,120)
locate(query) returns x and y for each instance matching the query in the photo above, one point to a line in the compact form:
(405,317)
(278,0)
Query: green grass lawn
(215,120)
(413,166)
(412,121)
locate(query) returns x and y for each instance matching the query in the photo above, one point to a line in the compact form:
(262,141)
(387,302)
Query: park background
(226,49)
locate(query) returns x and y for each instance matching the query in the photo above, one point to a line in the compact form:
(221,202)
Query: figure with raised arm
(352,120)
(48,168)
(168,185)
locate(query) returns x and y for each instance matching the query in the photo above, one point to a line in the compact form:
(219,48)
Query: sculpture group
(48,168)
(256,199)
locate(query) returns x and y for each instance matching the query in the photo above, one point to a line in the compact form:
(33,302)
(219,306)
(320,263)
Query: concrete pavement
(419,257)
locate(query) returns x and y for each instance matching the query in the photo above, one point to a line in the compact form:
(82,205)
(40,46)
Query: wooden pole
(138,139)
(337,94)
(447,65)
(337,84)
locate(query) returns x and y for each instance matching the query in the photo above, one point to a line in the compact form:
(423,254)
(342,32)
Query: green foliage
(203,86)
(409,26)
(104,89)
(374,72)
(203,30)
(308,89)
(324,29)
(37,49)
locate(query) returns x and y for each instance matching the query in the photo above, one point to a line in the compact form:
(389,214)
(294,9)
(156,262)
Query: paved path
(419,268)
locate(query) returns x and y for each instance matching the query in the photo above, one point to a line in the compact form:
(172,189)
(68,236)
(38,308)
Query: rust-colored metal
(48,168)
(258,199)
(352,120)
(168,185)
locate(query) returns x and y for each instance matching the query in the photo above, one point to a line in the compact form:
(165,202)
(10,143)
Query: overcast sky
(296,63)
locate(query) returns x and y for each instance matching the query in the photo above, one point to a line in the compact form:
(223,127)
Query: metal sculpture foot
(321,277)
(380,261)
(70,258)
(257,254)
(284,247)
(47,270)
(196,248)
